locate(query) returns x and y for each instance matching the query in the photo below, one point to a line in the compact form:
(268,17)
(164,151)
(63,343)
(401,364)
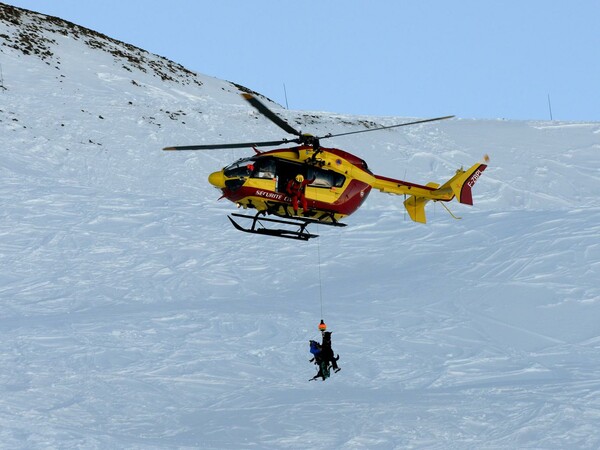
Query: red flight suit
(296,191)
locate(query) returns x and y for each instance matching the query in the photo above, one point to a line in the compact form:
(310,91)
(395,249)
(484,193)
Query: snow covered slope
(133,316)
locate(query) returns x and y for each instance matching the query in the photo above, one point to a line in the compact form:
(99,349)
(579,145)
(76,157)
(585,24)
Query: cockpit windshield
(241,168)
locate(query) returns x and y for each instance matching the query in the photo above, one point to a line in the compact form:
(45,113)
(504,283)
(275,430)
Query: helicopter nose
(217,179)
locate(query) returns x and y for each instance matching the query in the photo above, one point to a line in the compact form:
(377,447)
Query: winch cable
(319,268)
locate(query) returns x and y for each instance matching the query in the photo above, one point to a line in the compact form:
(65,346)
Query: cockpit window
(240,168)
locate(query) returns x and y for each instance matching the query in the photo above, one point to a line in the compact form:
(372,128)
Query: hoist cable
(319,269)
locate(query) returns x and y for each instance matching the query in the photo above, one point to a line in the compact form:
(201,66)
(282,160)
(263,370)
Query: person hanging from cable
(327,354)
(323,354)
(323,371)
(295,189)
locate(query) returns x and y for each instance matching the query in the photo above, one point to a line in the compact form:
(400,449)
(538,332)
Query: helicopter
(339,182)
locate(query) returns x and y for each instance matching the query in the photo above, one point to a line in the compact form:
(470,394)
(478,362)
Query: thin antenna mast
(285,93)
(550,107)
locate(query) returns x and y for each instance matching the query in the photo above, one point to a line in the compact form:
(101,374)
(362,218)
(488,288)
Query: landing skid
(297,226)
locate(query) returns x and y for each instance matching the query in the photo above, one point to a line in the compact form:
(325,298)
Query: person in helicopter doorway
(295,189)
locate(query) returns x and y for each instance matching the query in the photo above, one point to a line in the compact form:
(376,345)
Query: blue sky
(474,59)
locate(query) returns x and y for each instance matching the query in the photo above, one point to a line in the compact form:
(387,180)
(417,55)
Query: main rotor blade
(262,108)
(386,128)
(224,146)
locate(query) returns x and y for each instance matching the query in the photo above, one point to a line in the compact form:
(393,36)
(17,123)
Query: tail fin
(462,183)
(458,186)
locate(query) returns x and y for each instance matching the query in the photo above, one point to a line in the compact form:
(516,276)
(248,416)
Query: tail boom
(459,186)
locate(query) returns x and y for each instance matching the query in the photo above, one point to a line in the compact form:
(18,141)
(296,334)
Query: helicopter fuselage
(340,181)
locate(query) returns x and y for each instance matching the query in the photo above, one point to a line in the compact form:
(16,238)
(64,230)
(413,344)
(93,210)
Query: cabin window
(326,178)
(264,168)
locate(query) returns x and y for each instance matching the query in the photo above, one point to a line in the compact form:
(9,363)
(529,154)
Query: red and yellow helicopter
(339,181)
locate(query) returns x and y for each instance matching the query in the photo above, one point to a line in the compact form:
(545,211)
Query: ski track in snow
(134,316)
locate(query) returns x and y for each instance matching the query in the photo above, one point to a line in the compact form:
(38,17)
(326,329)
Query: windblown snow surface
(132,315)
